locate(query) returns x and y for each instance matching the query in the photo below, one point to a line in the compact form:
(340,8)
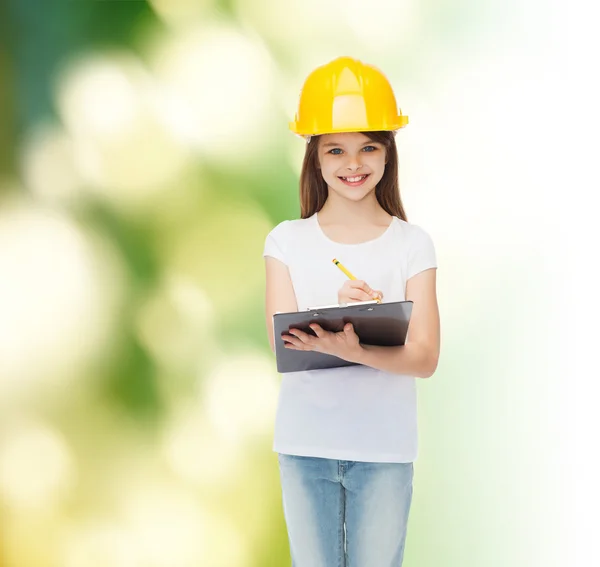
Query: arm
(280,295)
(419,356)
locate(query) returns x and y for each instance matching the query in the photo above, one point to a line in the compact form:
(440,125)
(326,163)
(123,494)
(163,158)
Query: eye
(335,150)
(370,148)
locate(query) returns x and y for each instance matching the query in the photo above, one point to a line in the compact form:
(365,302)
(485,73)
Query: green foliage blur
(144,157)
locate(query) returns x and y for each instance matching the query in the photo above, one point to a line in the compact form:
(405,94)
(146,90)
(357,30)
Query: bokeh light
(58,297)
(123,148)
(195,449)
(217,87)
(175,324)
(169,527)
(49,166)
(37,468)
(247,387)
(224,267)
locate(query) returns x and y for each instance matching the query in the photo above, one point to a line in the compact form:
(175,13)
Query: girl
(346,437)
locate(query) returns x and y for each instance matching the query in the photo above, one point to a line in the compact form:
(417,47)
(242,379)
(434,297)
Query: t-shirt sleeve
(421,253)
(275,243)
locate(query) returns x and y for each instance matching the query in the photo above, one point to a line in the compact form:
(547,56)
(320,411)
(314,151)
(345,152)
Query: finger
(366,288)
(377,295)
(293,342)
(304,337)
(349,329)
(358,284)
(319,331)
(360,295)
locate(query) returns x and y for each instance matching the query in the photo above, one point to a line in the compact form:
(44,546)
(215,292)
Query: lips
(354,181)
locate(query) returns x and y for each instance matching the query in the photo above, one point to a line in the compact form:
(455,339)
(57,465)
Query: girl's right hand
(357,290)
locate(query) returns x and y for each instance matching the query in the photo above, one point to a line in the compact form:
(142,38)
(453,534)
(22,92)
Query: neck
(338,210)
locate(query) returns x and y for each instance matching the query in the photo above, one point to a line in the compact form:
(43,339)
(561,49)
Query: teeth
(354,179)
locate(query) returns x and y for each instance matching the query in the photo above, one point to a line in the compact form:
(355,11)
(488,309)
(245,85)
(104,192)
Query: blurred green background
(144,157)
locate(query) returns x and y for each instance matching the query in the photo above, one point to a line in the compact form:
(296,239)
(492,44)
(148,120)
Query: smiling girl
(346,437)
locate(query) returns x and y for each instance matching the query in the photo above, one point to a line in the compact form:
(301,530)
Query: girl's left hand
(344,344)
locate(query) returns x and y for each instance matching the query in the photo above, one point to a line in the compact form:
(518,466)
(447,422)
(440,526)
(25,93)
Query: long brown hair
(313,188)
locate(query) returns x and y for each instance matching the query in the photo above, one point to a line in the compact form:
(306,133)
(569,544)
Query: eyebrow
(328,144)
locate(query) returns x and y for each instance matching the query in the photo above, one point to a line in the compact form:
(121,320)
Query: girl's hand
(357,290)
(344,344)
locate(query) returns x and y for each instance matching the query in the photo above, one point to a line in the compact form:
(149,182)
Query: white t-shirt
(353,413)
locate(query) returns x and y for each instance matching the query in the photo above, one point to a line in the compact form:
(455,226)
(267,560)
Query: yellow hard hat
(346,95)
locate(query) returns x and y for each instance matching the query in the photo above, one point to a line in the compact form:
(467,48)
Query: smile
(355,181)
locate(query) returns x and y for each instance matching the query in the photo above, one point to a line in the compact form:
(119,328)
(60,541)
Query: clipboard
(382,324)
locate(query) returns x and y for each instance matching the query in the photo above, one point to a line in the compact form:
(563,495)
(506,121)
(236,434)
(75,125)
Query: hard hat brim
(402,122)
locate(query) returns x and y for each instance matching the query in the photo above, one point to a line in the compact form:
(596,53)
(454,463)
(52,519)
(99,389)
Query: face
(351,164)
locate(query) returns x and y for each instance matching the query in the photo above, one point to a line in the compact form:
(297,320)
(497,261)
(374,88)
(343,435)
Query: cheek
(328,170)
(378,167)
(377,162)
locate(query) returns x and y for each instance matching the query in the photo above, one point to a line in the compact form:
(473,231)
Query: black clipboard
(383,324)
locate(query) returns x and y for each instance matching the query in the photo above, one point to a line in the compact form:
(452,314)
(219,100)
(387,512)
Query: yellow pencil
(347,272)
(341,267)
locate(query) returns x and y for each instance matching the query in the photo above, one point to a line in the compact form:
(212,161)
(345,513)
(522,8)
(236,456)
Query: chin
(357,194)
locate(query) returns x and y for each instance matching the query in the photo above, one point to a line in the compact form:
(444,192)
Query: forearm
(412,359)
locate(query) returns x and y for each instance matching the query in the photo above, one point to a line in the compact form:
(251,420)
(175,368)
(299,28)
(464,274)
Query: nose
(354,164)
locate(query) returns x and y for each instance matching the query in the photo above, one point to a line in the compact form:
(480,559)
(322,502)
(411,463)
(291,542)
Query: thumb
(348,328)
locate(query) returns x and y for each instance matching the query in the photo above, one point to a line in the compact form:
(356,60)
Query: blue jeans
(345,513)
